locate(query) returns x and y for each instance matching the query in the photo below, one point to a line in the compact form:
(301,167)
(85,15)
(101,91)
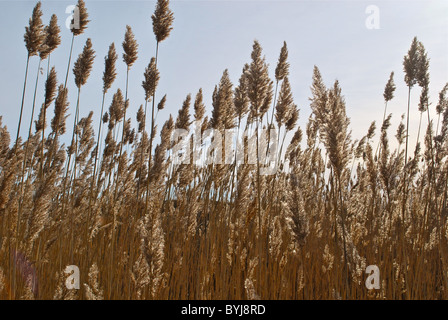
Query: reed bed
(141,225)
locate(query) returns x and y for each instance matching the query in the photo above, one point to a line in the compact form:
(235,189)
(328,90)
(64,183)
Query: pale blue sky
(210,36)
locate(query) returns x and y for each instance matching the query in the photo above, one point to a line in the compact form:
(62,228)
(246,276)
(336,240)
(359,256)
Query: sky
(210,36)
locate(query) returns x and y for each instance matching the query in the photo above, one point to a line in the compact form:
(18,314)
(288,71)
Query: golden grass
(141,226)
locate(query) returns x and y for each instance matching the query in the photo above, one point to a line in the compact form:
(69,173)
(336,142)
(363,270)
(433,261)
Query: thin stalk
(23,99)
(235,166)
(43,125)
(407,127)
(259,209)
(419,128)
(406,157)
(69,60)
(346,273)
(92,184)
(150,137)
(403,211)
(378,148)
(273,105)
(65,180)
(96,154)
(141,157)
(122,135)
(272,118)
(67,173)
(73,178)
(432,173)
(65,83)
(117,182)
(31,119)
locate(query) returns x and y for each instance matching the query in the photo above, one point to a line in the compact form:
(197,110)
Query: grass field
(117,203)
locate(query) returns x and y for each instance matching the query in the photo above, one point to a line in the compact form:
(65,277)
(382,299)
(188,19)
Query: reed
(141,225)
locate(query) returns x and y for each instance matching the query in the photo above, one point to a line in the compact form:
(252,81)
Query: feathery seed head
(320,97)
(293,117)
(165,134)
(162,103)
(110,72)
(105,117)
(50,87)
(269,96)
(410,64)
(386,123)
(371,131)
(282,69)
(297,138)
(162,19)
(424,99)
(334,129)
(60,110)
(183,119)
(93,289)
(52,38)
(84,63)
(151,79)
(285,103)
(241,99)
(401,132)
(443,100)
(259,84)
(141,119)
(422,66)
(83,18)
(34,34)
(390,88)
(116,109)
(199,107)
(130,47)
(223,114)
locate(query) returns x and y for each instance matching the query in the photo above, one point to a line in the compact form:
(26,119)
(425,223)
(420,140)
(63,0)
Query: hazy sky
(210,36)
